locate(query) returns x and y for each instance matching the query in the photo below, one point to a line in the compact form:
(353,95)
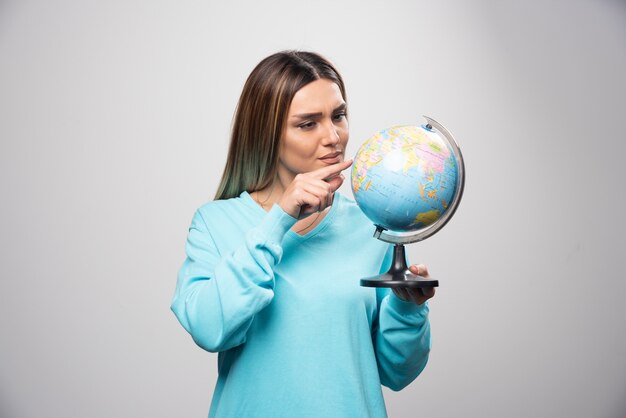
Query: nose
(331,136)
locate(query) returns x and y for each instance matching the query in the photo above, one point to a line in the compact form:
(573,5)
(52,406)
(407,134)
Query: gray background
(114,121)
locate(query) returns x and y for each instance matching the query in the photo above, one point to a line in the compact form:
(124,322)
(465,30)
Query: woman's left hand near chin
(416,295)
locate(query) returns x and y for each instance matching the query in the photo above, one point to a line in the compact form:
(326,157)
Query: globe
(405,178)
(408,180)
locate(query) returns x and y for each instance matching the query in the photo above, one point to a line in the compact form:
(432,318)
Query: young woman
(271,278)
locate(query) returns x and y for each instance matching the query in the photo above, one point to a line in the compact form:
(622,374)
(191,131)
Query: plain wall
(114,122)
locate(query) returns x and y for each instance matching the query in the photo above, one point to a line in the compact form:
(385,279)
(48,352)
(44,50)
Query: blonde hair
(260,118)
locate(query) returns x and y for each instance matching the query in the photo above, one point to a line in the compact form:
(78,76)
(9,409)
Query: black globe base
(399,274)
(387,280)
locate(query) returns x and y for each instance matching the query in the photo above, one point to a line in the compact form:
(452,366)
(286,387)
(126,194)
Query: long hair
(260,118)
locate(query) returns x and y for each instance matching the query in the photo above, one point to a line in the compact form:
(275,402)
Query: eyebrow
(341,107)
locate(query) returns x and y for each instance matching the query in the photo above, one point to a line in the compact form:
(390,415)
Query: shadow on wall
(620,408)
(5,409)
(621,5)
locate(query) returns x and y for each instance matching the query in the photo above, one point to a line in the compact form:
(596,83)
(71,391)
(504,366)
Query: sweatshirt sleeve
(401,339)
(218,295)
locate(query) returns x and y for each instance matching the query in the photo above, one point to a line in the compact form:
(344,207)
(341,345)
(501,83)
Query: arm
(401,338)
(218,295)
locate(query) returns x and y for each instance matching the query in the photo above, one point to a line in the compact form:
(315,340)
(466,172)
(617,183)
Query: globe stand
(399,274)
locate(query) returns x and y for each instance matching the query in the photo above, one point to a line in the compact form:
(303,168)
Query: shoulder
(216,207)
(348,207)
(218,213)
(351,225)
(219,206)
(349,214)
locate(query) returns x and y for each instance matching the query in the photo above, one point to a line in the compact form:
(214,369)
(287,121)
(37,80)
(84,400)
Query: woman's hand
(416,295)
(313,191)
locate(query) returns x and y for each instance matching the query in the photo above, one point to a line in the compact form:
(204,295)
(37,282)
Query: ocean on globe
(405,177)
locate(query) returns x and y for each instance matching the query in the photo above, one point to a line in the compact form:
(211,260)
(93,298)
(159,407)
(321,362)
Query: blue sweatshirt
(297,335)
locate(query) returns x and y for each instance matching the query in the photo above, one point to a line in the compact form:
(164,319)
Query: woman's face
(316,131)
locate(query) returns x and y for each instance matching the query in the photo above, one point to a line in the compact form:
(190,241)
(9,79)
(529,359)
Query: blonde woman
(271,278)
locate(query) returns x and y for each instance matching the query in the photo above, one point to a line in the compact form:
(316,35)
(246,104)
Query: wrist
(294,212)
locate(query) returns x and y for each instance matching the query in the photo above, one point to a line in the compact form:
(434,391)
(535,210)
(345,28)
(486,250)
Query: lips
(331,156)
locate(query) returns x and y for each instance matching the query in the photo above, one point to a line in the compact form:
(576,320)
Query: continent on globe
(404,177)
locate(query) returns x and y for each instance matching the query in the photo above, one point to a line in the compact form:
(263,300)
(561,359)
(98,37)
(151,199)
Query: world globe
(408,180)
(405,178)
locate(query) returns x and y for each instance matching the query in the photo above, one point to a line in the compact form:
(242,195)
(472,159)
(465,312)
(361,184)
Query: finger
(322,190)
(425,294)
(327,190)
(317,197)
(413,295)
(336,182)
(305,196)
(429,292)
(420,270)
(422,294)
(326,173)
(308,203)
(402,293)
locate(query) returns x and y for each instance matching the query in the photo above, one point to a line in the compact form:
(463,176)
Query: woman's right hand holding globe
(313,192)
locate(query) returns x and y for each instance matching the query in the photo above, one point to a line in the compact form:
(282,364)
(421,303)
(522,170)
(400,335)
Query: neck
(271,194)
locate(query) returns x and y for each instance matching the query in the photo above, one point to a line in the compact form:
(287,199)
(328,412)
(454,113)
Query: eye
(339,116)
(307,125)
